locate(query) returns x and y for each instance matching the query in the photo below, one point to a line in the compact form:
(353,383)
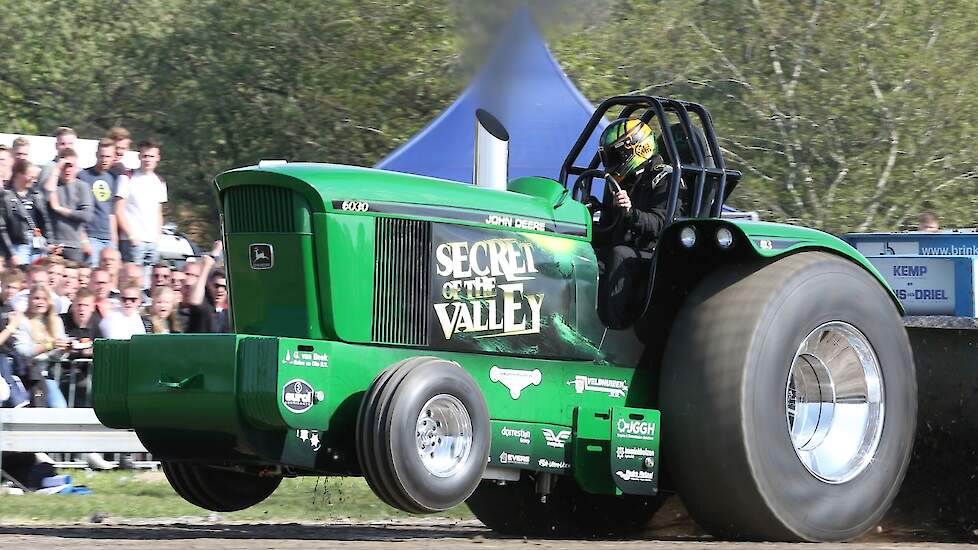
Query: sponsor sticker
(515,380)
(510,458)
(547,463)
(633,452)
(555,439)
(614,388)
(636,475)
(519,434)
(311,437)
(636,429)
(297,395)
(305,359)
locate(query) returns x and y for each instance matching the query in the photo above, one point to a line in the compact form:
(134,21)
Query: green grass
(148,495)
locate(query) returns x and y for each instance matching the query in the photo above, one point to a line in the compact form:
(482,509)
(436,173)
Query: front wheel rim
(443,435)
(834,402)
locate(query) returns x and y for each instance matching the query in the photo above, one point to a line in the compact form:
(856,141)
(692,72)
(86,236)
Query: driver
(634,208)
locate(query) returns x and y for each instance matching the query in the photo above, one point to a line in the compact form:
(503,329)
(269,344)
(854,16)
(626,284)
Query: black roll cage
(725,180)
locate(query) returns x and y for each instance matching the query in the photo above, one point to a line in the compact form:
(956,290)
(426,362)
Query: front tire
(423,435)
(790,398)
(218,489)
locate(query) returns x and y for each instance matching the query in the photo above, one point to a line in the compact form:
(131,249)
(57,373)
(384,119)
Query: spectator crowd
(79,261)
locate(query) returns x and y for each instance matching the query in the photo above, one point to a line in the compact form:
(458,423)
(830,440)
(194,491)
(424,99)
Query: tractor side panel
(345,254)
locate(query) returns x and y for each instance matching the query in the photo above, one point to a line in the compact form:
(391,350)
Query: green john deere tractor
(443,341)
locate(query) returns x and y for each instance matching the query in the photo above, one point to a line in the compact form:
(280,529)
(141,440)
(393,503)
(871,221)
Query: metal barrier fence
(63,431)
(74,372)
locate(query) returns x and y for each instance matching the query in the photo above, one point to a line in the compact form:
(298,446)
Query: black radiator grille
(263,209)
(401,264)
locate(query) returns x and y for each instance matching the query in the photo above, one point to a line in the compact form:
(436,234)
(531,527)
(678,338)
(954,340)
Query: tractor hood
(530,203)
(334,252)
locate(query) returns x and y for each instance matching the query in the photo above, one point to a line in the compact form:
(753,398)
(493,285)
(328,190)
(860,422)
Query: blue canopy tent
(524,87)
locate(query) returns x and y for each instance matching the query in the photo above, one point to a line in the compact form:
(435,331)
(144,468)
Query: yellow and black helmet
(625,146)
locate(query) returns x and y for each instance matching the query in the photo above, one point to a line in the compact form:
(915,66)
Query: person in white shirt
(125,322)
(139,209)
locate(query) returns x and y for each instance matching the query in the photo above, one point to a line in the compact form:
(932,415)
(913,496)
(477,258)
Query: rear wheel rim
(834,402)
(444,435)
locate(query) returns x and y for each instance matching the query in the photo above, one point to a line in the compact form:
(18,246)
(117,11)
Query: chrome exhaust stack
(491,166)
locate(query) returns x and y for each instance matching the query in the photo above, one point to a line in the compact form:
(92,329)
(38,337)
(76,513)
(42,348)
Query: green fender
(769,241)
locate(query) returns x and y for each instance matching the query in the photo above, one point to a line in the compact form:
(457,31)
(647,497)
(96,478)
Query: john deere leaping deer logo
(485,291)
(261,256)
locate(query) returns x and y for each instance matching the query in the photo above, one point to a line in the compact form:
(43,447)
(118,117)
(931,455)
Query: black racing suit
(625,250)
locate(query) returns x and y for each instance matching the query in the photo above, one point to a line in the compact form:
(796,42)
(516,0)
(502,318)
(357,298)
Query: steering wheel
(603,219)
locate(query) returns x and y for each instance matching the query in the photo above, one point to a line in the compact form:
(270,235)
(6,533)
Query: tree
(340,82)
(843,116)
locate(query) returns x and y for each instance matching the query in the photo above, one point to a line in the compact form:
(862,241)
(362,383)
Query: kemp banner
(512,293)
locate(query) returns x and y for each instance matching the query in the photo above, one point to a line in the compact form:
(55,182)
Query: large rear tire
(423,435)
(218,489)
(789,400)
(515,509)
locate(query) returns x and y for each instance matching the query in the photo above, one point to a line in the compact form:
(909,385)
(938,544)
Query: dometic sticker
(636,429)
(515,380)
(546,463)
(297,395)
(557,439)
(635,475)
(305,359)
(311,437)
(510,458)
(614,388)
(521,435)
(485,288)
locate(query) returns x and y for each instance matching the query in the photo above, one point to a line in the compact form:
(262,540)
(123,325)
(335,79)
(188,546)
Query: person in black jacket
(634,212)
(81,326)
(24,217)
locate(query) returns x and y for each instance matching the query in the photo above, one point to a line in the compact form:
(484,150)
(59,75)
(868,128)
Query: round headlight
(687,236)
(724,237)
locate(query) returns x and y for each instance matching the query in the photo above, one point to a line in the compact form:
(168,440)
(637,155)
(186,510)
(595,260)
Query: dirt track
(400,535)
(670,529)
